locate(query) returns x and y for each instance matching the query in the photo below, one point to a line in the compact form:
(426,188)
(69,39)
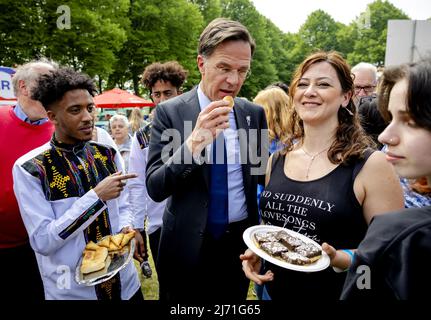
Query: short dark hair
(52,86)
(419,94)
(220,30)
(280,85)
(390,77)
(371,120)
(170,71)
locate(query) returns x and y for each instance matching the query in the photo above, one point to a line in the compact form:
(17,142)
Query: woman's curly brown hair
(350,139)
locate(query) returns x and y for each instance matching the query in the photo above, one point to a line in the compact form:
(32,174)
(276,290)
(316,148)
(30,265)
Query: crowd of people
(336,155)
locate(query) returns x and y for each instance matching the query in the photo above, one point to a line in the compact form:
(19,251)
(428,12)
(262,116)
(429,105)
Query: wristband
(352,257)
(351,254)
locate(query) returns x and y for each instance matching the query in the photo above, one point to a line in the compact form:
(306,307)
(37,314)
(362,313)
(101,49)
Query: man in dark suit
(199,247)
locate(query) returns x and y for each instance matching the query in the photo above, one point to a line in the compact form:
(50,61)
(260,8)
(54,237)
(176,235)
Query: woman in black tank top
(326,184)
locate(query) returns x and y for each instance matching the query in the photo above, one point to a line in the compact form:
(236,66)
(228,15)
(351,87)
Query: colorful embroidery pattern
(70,171)
(143,136)
(84,217)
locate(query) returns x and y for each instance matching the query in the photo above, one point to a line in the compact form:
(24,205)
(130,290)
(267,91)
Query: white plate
(118,262)
(251,242)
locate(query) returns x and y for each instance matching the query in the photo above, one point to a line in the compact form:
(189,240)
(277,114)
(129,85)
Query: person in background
(417,192)
(23,127)
(391,259)
(280,85)
(209,204)
(275,102)
(164,81)
(364,80)
(370,118)
(102,136)
(331,182)
(120,125)
(136,120)
(69,192)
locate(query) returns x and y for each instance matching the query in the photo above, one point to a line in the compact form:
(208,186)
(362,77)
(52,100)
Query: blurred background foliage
(114,40)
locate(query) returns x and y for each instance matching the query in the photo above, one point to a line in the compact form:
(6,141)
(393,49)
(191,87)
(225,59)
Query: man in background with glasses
(365,80)
(210,202)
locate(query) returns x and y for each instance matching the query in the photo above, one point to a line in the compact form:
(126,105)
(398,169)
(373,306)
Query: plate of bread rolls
(101,261)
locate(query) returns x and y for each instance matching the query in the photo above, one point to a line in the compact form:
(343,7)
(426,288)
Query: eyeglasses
(367,89)
(226,72)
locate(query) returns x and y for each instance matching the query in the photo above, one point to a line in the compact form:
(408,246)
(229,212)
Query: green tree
(369,32)
(319,32)
(263,71)
(159,31)
(22,33)
(210,9)
(279,45)
(96,33)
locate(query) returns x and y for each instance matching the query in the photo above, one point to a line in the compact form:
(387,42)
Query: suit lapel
(192,113)
(243,121)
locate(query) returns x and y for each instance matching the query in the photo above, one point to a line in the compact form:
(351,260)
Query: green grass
(150,287)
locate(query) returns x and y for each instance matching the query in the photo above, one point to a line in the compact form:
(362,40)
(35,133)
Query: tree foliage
(369,32)
(114,40)
(210,9)
(263,72)
(159,31)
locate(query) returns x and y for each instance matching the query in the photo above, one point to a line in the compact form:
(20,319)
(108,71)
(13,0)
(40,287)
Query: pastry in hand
(230,100)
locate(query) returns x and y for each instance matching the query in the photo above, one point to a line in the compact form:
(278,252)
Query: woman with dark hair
(323,184)
(397,248)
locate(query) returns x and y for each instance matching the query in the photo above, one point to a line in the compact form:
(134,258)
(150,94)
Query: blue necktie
(218,204)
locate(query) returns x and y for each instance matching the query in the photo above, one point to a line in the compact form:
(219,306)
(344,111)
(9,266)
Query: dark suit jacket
(186,185)
(393,258)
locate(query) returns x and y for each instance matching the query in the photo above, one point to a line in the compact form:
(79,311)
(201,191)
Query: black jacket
(186,184)
(397,251)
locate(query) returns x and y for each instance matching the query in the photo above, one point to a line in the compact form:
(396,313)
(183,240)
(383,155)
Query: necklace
(312,156)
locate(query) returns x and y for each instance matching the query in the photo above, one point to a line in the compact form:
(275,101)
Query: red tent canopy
(117,98)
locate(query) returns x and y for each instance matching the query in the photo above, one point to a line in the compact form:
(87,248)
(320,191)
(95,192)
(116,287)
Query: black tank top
(325,210)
